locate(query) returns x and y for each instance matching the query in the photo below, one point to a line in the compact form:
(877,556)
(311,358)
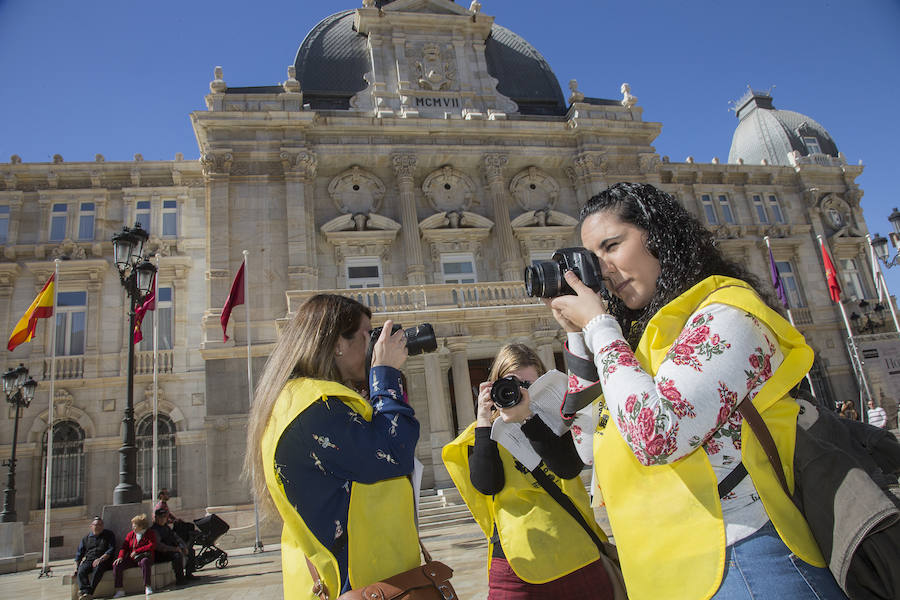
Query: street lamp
(872,318)
(19,393)
(136,274)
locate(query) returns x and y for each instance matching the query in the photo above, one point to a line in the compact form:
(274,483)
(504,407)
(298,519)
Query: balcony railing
(67,367)
(143,362)
(802,316)
(427,297)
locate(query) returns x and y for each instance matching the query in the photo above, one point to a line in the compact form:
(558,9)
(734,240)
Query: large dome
(766,133)
(333,58)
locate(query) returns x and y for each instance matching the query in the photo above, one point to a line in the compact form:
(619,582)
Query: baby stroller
(203,532)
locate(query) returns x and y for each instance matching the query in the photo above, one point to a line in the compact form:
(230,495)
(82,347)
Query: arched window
(67,476)
(168,461)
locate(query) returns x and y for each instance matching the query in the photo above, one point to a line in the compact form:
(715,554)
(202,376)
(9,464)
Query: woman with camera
(700,337)
(537,549)
(330,447)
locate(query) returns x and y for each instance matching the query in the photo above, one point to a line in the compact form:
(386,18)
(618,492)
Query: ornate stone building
(417,157)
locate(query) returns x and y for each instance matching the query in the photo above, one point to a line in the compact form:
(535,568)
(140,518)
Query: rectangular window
(812,145)
(58,222)
(853,286)
(709,210)
(86,221)
(169,218)
(775,208)
(142,214)
(791,286)
(4,224)
(71,312)
(725,207)
(761,215)
(458,268)
(364,272)
(164,312)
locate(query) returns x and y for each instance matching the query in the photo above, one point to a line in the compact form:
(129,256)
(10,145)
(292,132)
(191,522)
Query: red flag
(235,297)
(149,304)
(834,288)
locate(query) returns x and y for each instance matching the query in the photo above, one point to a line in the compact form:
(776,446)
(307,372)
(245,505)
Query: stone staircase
(442,508)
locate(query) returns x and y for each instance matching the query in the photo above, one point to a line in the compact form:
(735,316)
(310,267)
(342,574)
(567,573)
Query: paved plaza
(258,576)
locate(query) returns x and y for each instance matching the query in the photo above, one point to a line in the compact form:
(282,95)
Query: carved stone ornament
(534,189)
(837,216)
(448,190)
(627,99)
(493,166)
(356,191)
(68,250)
(157,245)
(303,164)
(433,71)
(728,232)
(148,394)
(216,163)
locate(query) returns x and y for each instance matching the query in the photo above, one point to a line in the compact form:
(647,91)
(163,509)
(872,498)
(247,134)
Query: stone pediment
(455,221)
(360,222)
(544,218)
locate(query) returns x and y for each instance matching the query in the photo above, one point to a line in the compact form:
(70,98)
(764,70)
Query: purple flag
(776,280)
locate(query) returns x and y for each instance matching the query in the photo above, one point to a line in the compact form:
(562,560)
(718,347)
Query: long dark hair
(686,250)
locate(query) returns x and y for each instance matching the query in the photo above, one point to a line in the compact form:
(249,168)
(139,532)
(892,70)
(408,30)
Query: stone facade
(430,170)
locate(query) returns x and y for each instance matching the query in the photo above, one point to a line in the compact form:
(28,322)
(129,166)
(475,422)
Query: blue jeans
(761,566)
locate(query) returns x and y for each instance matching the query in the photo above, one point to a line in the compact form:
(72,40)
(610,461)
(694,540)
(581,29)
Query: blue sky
(119,77)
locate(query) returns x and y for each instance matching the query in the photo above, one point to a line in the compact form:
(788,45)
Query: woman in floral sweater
(700,339)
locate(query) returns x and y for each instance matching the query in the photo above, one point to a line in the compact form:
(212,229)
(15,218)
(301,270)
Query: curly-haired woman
(700,338)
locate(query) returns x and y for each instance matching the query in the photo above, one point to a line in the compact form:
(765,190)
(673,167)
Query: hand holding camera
(388,346)
(508,395)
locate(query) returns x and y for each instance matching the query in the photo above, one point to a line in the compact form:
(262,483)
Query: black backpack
(843,474)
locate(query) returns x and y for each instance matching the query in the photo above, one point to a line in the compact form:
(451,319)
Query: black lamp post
(136,274)
(872,317)
(19,393)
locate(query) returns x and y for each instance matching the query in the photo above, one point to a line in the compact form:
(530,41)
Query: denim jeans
(761,566)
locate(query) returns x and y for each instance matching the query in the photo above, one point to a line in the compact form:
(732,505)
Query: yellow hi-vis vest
(667,519)
(541,541)
(382,539)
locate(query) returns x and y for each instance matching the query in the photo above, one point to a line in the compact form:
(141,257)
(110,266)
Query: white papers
(547,395)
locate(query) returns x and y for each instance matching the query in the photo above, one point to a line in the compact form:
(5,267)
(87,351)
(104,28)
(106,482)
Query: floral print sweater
(721,357)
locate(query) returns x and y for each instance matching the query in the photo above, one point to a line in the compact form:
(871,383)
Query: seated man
(94,557)
(170,547)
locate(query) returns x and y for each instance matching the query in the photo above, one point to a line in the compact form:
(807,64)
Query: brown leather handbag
(430,581)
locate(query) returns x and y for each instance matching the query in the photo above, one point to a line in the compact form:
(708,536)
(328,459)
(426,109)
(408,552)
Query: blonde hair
(513,357)
(305,349)
(141,521)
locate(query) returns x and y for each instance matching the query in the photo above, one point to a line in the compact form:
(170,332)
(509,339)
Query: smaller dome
(767,133)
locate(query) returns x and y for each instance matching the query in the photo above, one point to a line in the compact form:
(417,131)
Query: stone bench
(161,575)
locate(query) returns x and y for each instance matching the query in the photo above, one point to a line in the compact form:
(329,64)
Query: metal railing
(427,297)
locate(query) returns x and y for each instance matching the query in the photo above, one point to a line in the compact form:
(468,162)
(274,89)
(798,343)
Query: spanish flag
(41,308)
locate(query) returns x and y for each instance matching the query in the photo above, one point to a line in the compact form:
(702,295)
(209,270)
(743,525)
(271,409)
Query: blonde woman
(330,447)
(537,549)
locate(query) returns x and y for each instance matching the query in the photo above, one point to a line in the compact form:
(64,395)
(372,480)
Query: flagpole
(880,282)
(854,355)
(812,389)
(48,471)
(258,545)
(155,479)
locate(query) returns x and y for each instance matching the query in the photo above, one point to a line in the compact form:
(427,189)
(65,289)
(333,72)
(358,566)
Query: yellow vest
(667,519)
(382,538)
(541,541)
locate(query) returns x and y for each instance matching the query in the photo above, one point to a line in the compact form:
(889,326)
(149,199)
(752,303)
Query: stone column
(216,170)
(420,401)
(462,384)
(587,175)
(544,346)
(510,261)
(299,174)
(439,417)
(404,169)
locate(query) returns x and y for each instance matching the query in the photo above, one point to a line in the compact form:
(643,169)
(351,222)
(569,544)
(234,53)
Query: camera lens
(420,339)
(543,279)
(505,392)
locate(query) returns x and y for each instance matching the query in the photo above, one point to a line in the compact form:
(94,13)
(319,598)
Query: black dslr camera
(506,392)
(545,279)
(419,339)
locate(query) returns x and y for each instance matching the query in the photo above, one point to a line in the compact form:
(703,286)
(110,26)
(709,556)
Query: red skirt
(588,582)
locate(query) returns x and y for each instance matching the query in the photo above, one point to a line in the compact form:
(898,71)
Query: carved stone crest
(534,190)
(68,250)
(432,71)
(356,191)
(837,215)
(448,189)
